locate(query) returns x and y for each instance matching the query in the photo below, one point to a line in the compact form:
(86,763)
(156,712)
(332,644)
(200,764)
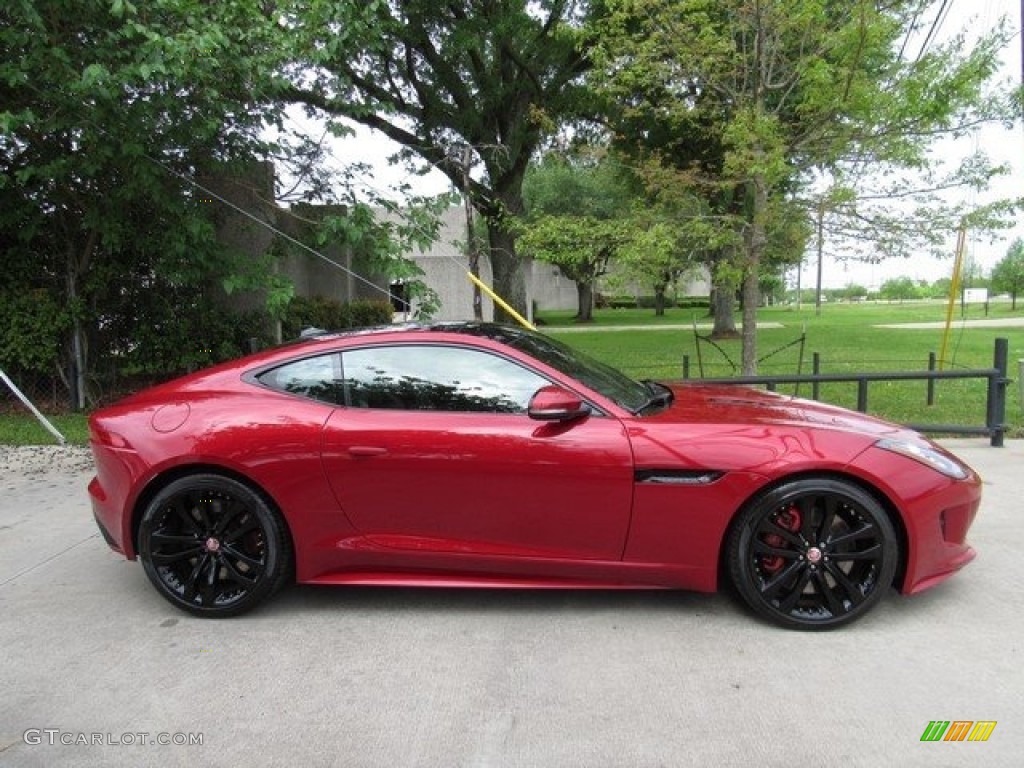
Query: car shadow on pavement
(310,598)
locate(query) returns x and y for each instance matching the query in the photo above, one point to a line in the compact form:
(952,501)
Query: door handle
(366,450)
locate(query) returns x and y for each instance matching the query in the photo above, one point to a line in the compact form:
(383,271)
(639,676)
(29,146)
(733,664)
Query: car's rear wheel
(813,553)
(213,546)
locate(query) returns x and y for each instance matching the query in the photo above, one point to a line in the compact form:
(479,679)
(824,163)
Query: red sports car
(488,456)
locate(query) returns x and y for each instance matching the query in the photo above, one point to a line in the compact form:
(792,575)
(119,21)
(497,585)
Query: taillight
(105,437)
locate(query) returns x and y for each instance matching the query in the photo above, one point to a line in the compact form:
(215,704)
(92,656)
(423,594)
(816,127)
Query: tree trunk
(659,300)
(750,302)
(77,264)
(756,241)
(585,296)
(507,268)
(723,301)
(509,276)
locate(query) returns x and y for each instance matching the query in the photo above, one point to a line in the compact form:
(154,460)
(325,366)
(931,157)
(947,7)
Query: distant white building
(445,266)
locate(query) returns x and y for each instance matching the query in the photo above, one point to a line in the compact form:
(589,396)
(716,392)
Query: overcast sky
(1002,145)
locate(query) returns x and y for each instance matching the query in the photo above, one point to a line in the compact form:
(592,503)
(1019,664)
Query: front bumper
(936,512)
(938,548)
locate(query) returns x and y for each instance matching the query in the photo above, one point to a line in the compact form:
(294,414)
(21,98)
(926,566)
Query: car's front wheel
(813,553)
(213,546)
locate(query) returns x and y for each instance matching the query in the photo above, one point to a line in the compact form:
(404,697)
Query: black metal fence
(995,425)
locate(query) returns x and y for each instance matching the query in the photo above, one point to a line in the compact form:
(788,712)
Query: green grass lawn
(23,429)
(846,339)
(844,335)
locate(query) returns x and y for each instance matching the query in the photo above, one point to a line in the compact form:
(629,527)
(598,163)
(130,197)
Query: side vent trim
(677,476)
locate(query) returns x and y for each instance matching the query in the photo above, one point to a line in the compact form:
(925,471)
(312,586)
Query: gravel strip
(35,460)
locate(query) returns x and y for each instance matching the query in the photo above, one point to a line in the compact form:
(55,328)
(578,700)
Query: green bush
(166,340)
(621,302)
(694,303)
(331,315)
(648,302)
(31,325)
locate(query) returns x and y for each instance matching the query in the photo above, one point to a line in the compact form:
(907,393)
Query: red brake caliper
(791,520)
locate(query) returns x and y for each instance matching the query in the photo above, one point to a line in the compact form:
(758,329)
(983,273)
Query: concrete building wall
(549,288)
(252,192)
(445,265)
(330,274)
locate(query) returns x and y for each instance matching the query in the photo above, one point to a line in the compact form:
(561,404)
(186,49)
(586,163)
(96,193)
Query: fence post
(686,366)
(862,395)
(1020,381)
(815,370)
(931,382)
(997,384)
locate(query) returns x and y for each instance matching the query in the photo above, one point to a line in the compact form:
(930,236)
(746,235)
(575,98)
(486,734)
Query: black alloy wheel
(813,553)
(212,546)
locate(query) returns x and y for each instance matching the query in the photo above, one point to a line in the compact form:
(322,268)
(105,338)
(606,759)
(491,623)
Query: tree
(578,217)
(854,292)
(939,289)
(785,87)
(103,108)
(440,77)
(658,255)
(1008,274)
(898,289)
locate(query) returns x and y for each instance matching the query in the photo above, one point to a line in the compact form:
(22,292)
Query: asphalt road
(395,677)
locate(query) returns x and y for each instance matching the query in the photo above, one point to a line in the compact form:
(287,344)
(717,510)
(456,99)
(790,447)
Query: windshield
(613,384)
(634,396)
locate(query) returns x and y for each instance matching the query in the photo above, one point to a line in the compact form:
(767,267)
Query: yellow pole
(954,289)
(499,301)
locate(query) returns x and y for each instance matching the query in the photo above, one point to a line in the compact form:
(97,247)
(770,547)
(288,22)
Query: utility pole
(821,240)
(954,291)
(799,287)
(472,253)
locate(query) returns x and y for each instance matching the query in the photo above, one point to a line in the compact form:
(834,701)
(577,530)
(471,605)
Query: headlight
(927,455)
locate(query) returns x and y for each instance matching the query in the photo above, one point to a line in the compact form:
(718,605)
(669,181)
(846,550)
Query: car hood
(731,404)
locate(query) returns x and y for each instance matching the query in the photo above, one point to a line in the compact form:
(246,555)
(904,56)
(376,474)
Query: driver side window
(437,378)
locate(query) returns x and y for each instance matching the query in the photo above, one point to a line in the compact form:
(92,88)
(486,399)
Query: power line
(906,37)
(271,227)
(940,18)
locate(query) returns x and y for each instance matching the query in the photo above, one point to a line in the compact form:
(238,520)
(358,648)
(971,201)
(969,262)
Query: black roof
(505,334)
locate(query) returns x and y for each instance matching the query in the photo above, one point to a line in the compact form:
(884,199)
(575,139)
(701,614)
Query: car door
(434,451)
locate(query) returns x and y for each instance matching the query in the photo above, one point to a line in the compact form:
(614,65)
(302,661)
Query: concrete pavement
(396,677)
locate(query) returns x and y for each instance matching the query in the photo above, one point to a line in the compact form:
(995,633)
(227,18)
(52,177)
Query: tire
(813,553)
(212,546)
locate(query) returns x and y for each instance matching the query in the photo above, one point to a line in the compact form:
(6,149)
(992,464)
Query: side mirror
(553,403)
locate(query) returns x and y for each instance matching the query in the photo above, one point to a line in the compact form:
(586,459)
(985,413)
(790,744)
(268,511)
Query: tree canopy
(440,77)
(101,105)
(579,216)
(749,97)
